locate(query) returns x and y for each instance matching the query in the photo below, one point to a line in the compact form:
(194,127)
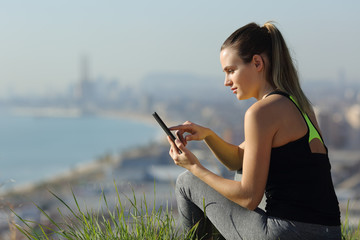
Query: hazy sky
(42,41)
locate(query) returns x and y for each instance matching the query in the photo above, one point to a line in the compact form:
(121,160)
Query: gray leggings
(234,221)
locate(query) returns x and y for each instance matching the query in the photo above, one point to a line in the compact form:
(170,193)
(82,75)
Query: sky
(42,42)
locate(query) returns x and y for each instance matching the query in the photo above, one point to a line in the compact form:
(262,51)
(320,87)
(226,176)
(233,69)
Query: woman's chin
(242,97)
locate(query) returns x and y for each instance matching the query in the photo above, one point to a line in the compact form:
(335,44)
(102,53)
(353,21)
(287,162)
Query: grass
(137,221)
(348,232)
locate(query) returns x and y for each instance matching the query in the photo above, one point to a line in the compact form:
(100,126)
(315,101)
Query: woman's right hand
(194,132)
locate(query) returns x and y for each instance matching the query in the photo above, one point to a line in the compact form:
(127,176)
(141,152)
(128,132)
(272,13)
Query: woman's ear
(258,61)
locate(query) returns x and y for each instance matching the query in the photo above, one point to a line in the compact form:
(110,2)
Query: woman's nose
(227,81)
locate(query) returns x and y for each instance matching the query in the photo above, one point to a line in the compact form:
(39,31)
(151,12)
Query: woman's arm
(230,155)
(259,132)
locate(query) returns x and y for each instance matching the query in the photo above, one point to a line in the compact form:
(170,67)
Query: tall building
(83,92)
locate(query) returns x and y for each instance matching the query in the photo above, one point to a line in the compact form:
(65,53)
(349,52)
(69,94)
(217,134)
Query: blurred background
(80,79)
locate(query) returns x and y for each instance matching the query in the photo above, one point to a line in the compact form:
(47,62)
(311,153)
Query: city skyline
(43,42)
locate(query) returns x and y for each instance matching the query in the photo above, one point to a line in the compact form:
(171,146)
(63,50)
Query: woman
(283,154)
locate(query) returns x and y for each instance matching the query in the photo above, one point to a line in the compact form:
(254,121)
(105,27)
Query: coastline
(93,169)
(93,166)
(87,182)
(135,116)
(74,112)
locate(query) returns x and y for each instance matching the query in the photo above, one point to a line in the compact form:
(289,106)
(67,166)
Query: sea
(36,148)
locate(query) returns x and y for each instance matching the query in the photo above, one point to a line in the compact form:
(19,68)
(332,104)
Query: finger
(179,135)
(191,137)
(180,145)
(173,147)
(172,144)
(178,127)
(186,125)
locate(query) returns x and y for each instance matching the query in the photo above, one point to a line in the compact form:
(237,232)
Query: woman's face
(239,76)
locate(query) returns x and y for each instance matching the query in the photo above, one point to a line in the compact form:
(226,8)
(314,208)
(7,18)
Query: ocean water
(35,148)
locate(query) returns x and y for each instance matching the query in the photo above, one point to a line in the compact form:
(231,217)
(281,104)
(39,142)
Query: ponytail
(281,73)
(284,74)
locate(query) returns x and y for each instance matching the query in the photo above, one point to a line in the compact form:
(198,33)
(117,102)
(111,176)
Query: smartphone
(164,127)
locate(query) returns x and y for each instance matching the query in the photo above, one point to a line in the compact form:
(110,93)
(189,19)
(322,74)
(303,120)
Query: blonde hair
(252,39)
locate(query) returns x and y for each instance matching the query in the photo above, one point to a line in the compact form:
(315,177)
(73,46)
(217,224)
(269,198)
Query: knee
(183,179)
(184,183)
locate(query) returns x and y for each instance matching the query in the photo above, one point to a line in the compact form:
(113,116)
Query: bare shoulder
(269,108)
(278,116)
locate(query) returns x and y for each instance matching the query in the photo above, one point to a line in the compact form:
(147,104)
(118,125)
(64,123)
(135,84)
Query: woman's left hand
(186,158)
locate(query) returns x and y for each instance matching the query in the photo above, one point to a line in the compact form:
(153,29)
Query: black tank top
(299,185)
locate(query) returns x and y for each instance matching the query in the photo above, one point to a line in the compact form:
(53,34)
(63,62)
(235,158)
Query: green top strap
(313,132)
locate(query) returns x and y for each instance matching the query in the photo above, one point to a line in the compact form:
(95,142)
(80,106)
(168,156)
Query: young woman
(283,154)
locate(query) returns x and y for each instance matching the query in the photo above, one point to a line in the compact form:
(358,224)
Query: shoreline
(94,165)
(73,112)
